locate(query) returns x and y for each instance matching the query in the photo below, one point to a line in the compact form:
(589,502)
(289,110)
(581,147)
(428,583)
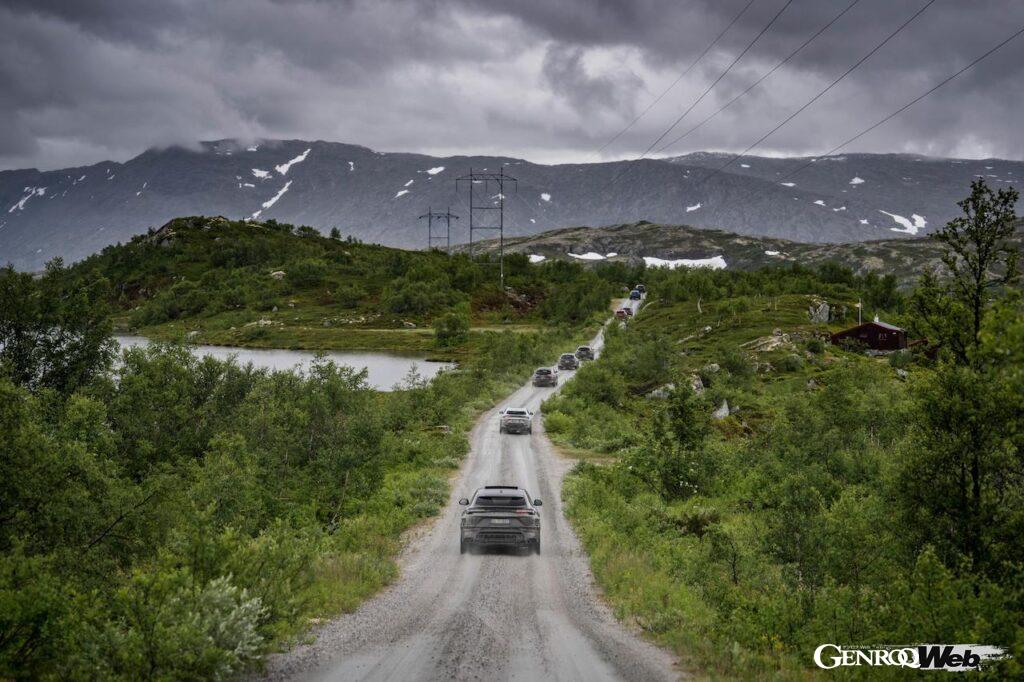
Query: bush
(816,346)
(451,329)
(306,273)
(790,363)
(901,359)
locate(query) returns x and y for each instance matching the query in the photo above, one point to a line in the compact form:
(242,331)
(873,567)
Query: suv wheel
(462,545)
(536,546)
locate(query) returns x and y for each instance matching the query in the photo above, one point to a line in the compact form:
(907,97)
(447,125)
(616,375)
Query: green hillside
(276,285)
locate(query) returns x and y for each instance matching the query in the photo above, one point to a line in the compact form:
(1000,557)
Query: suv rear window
(516,413)
(566,356)
(499,501)
(543,370)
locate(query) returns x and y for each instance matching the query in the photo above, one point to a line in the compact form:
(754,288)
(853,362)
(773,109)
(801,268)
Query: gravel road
(493,616)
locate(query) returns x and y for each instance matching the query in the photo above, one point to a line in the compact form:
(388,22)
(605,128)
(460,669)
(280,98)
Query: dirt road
(492,616)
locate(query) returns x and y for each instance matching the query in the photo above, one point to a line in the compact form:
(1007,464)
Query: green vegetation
(274,285)
(845,498)
(174,518)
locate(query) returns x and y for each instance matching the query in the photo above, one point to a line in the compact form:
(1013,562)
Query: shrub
(790,363)
(451,329)
(816,346)
(901,359)
(306,273)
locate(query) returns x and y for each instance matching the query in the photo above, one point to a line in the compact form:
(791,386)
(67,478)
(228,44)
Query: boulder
(696,384)
(722,412)
(408,325)
(661,392)
(192,335)
(713,368)
(819,312)
(277,274)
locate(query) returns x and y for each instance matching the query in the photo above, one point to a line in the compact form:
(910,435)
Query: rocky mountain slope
(377,196)
(674,245)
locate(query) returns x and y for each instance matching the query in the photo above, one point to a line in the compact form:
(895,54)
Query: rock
(819,313)
(408,325)
(277,274)
(902,373)
(765,367)
(327,323)
(192,334)
(722,412)
(706,329)
(662,392)
(776,332)
(696,384)
(291,305)
(713,368)
(811,384)
(274,309)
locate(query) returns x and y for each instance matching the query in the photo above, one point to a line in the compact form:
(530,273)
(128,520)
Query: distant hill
(377,196)
(633,242)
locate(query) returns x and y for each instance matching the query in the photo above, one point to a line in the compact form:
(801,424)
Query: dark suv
(500,516)
(584,353)
(545,376)
(568,361)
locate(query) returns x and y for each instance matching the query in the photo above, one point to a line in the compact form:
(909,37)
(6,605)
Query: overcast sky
(549,80)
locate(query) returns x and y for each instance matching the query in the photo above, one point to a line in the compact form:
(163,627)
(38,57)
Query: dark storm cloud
(86,80)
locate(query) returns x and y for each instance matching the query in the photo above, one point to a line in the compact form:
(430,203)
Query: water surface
(384,370)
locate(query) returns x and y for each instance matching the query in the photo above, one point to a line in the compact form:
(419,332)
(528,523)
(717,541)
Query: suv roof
(568,355)
(543,370)
(582,347)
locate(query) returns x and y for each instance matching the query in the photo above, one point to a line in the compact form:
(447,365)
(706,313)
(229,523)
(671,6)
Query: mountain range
(377,196)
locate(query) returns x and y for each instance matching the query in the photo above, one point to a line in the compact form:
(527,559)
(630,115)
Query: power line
(676,81)
(909,104)
(716,81)
(762,78)
(814,99)
(764,30)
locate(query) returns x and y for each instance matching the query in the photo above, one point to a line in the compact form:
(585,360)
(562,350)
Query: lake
(384,370)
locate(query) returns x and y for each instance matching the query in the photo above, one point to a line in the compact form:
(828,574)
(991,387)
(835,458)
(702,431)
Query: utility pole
(447,216)
(487,210)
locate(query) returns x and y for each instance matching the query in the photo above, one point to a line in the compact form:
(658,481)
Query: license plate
(500,521)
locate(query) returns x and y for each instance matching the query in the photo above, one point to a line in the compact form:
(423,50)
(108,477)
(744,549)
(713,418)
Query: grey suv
(545,376)
(584,353)
(500,516)
(568,361)
(515,420)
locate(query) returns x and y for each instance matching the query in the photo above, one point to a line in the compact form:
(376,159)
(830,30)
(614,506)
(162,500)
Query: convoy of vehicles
(568,361)
(545,376)
(515,420)
(584,353)
(500,516)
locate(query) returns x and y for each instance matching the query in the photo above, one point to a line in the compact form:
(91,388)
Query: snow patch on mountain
(910,226)
(435,170)
(857,181)
(589,255)
(284,167)
(261,174)
(408,183)
(537,258)
(401,192)
(690,209)
(30,192)
(788,184)
(715,262)
(545,196)
(351,166)
(273,200)
(819,202)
